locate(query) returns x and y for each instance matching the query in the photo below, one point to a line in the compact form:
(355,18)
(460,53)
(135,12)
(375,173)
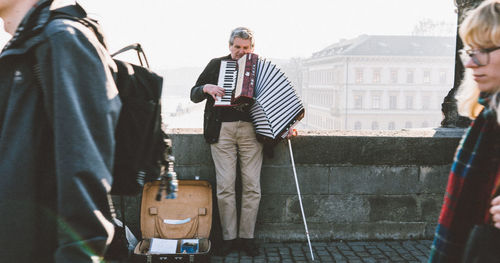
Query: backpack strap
(139,50)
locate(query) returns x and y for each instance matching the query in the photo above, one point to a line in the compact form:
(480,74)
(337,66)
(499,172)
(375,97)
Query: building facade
(378,83)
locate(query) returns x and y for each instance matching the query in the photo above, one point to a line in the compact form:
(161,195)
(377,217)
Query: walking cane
(300,199)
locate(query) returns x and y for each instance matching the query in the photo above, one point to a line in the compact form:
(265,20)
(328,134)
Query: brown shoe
(249,246)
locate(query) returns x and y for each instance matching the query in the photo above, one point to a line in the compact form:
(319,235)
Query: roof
(376,45)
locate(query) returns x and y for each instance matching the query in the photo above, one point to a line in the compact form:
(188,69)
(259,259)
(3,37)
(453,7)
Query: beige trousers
(237,140)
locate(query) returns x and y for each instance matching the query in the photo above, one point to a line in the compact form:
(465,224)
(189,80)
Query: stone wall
(354,185)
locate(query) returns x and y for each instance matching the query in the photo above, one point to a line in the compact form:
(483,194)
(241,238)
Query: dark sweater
(214,116)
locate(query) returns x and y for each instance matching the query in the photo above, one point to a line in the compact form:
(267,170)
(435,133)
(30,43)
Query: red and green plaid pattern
(470,186)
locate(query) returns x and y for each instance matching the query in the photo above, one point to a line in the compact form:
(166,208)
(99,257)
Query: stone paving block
(423,248)
(422,258)
(374,251)
(407,256)
(323,253)
(318,244)
(347,253)
(385,248)
(381,258)
(363,254)
(425,242)
(379,251)
(357,248)
(324,258)
(358,243)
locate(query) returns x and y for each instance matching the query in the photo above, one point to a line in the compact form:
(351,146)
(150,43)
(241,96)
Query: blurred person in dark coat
(58,110)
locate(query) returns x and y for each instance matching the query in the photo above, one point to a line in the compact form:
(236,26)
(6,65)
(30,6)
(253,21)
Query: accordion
(275,106)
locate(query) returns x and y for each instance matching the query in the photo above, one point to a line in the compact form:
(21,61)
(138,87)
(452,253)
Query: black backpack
(142,147)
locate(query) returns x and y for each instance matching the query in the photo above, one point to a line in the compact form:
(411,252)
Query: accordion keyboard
(227,80)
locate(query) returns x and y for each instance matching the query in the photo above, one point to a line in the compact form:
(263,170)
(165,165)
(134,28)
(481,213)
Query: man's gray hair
(243,33)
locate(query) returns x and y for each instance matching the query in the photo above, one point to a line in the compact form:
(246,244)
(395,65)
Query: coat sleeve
(82,106)
(206,77)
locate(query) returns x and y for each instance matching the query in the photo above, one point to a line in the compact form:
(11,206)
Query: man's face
(239,47)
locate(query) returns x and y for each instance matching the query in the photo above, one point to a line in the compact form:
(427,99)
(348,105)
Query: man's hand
(213,90)
(495,211)
(291,133)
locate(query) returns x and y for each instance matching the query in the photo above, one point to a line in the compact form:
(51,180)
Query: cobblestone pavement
(348,251)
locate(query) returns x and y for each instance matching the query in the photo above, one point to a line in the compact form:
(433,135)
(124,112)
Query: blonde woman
(475,176)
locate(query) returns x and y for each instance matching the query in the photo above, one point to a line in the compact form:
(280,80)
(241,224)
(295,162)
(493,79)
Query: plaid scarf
(472,183)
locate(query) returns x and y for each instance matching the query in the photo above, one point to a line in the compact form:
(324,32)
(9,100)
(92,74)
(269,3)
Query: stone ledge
(424,132)
(405,147)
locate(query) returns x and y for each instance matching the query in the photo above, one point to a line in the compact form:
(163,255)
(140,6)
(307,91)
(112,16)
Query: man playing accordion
(231,135)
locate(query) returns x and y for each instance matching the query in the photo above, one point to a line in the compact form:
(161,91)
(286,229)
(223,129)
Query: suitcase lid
(187,216)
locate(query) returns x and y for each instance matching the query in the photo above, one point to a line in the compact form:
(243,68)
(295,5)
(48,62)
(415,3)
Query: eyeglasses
(480,57)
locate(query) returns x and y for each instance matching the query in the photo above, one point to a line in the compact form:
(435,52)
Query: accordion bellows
(277,107)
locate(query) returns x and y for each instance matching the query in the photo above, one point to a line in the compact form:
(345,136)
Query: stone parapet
(354,185)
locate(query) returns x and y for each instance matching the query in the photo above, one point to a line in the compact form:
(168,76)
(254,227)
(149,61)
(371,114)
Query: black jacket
(56,142)
(212,117)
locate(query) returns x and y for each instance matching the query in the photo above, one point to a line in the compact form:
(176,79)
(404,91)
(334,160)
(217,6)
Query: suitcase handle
(176,221)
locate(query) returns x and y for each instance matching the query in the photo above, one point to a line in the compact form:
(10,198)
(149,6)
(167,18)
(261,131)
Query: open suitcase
(175,230)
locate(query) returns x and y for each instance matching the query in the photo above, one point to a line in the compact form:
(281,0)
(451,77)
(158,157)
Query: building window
(442,77)
(409,102)
(374,125)
(375,102)
(391,126)
(408,124)
(376,75)
(357,125)
(358,101)
(393,102)
(359,75)
(427,76)
(394,76)
(409,76)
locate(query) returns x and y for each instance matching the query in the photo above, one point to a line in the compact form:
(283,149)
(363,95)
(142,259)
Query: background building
(377,82)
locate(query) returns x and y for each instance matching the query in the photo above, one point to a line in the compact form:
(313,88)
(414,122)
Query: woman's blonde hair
(480,28)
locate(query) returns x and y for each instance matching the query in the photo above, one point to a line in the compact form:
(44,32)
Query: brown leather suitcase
(189,216)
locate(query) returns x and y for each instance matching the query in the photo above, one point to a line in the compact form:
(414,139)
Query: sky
(188,33)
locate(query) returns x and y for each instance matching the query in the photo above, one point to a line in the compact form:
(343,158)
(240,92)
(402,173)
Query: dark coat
(56,142)
(212,116)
